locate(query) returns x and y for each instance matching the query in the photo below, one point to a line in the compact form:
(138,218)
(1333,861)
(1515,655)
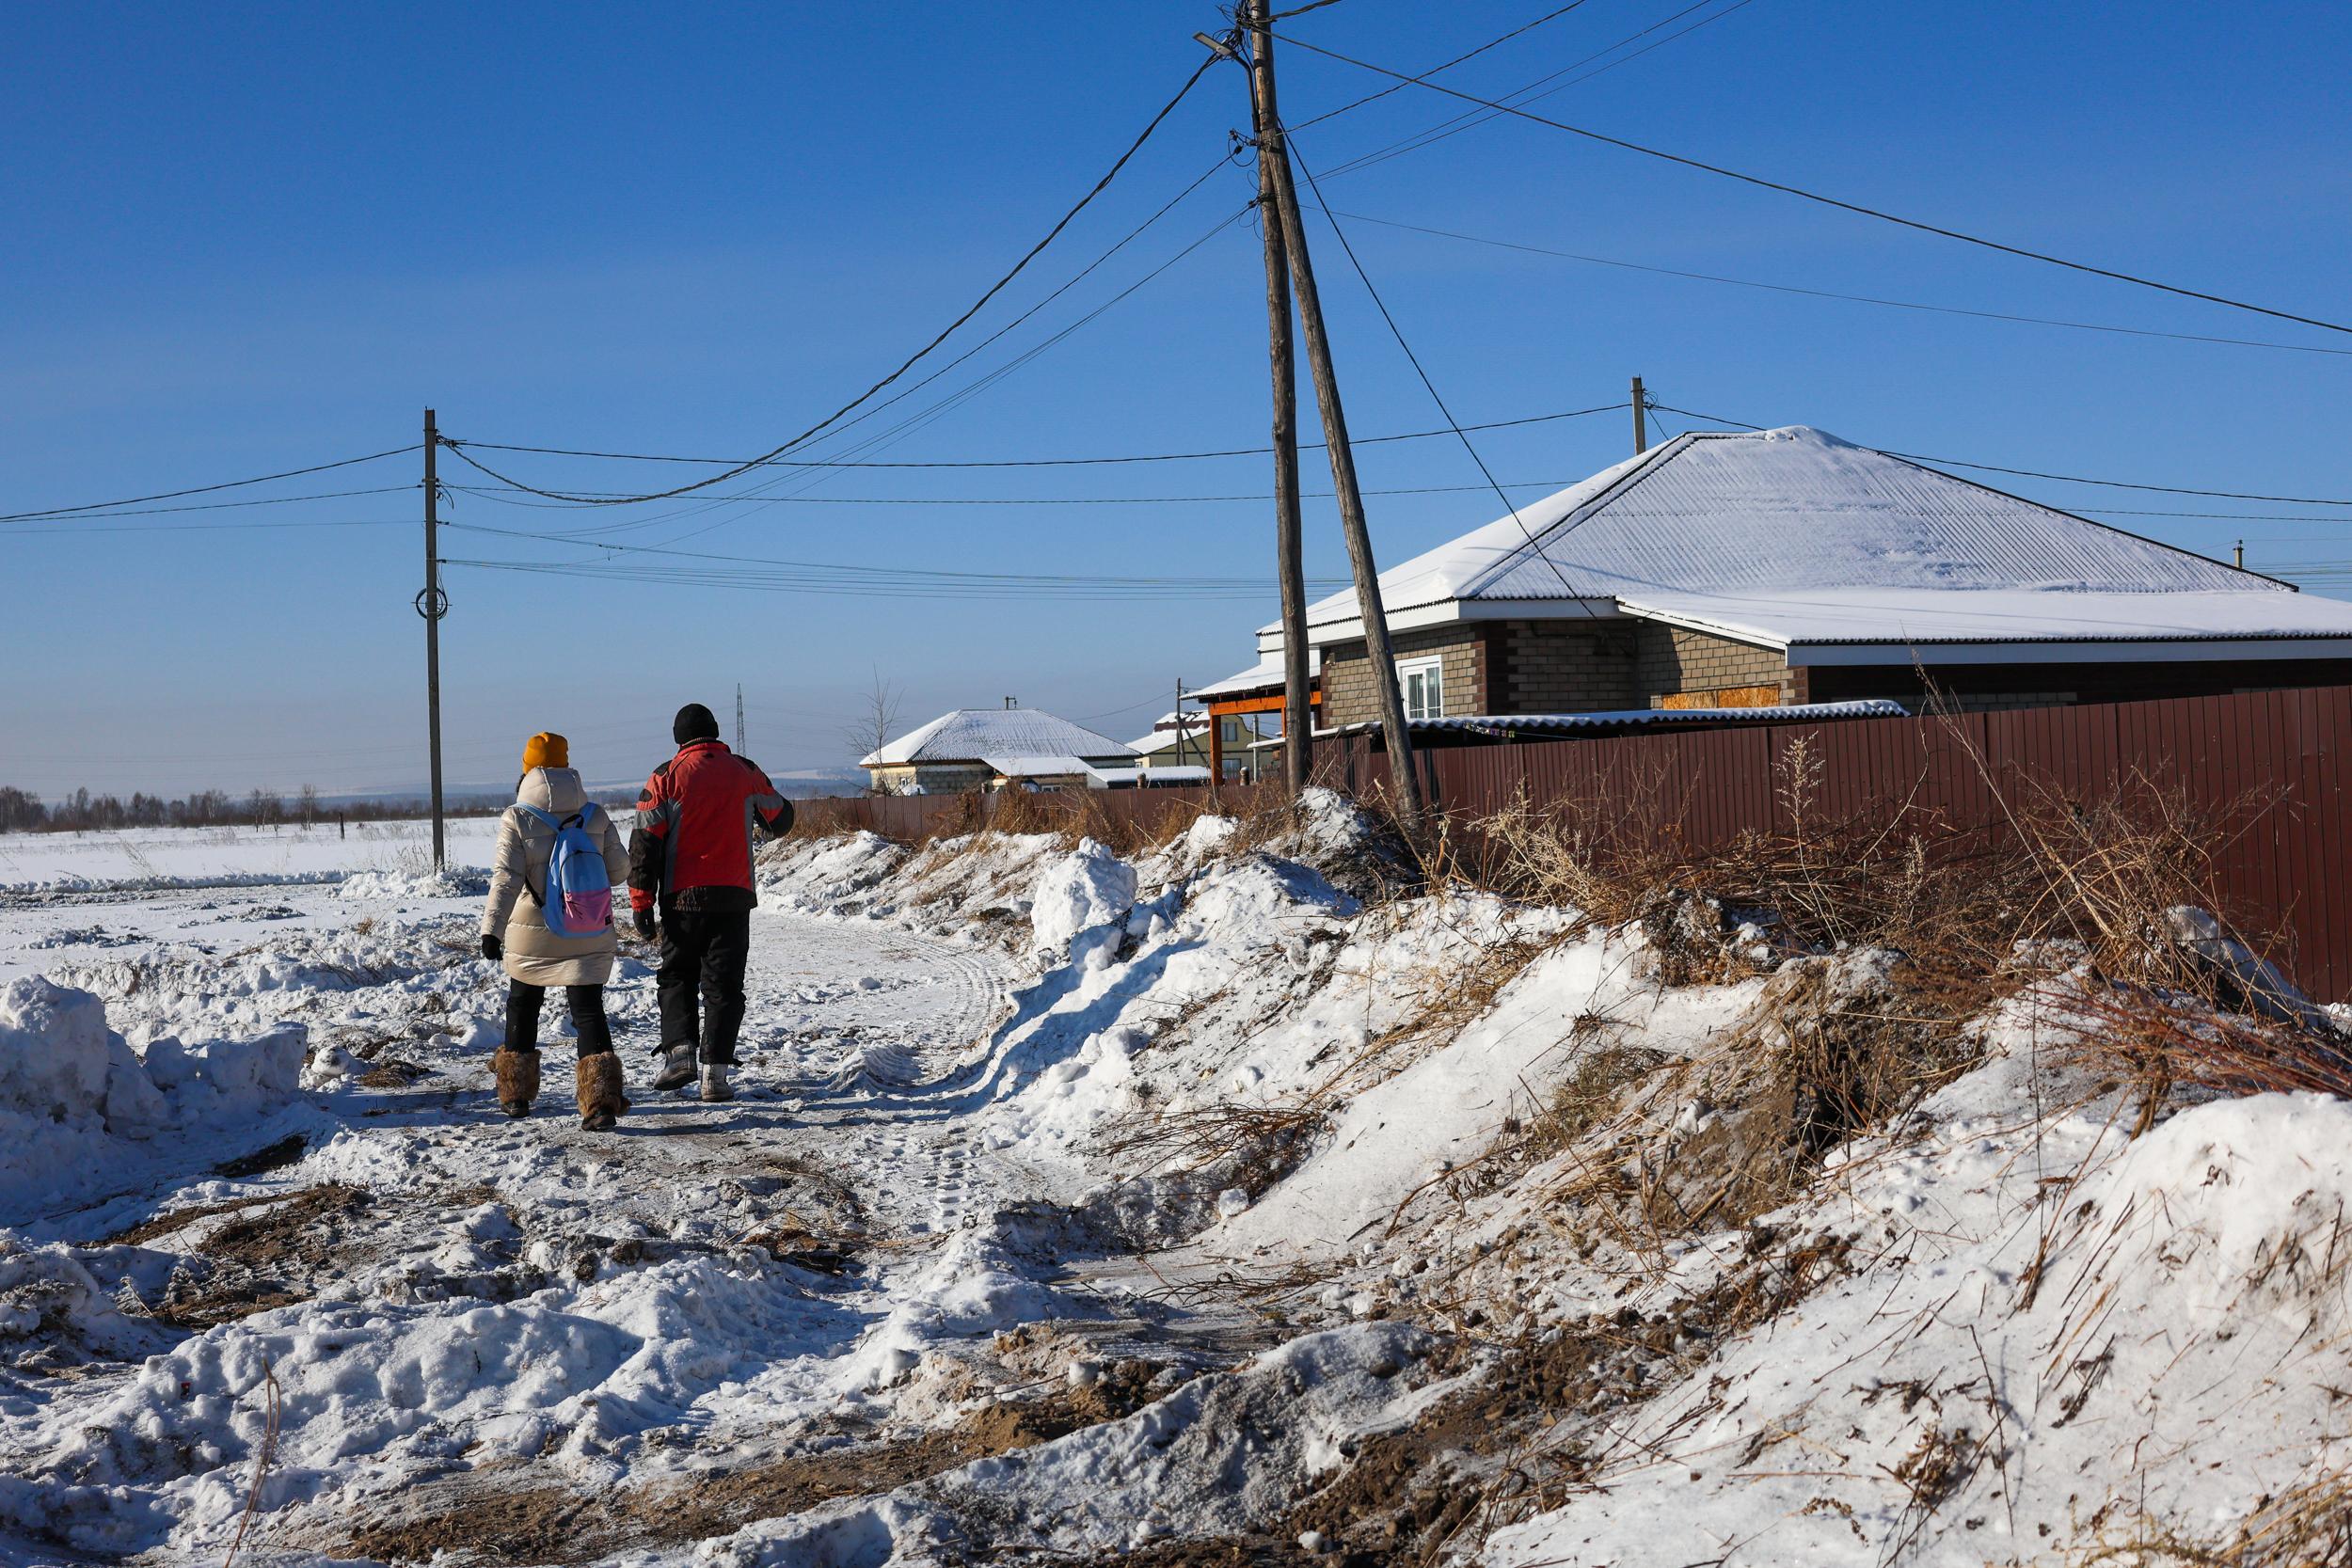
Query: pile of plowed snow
(74,1097)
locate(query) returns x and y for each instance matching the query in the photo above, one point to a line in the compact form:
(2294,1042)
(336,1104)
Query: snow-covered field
(1203,1207)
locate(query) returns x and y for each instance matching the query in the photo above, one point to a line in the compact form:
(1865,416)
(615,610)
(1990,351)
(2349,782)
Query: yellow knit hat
(547,750)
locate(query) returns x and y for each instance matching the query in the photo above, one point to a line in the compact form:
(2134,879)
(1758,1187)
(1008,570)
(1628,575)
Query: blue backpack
(578,898)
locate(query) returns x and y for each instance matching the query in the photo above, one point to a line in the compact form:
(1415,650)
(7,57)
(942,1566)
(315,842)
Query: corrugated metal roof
(1267,673)
(1794,508)
(1868,707)
(1038,768)
(974,734)
(1908,616)
(1508,724)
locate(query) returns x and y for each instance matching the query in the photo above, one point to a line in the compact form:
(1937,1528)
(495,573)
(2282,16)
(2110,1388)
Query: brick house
(1786,567)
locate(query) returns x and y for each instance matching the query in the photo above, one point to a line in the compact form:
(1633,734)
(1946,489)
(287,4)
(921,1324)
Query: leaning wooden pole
(1298,706)
(1404,784)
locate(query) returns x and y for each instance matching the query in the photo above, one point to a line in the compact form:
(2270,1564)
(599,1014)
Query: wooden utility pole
(1274,163)
(1298,706)
(1641,423)
(432,604)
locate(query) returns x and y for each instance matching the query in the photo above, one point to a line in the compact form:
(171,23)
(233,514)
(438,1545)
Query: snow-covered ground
(1199,1207)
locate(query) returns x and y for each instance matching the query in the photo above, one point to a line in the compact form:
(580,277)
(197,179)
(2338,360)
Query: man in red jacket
(691,859)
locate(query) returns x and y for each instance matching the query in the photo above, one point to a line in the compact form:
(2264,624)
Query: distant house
(1174,742)
(989,748)
(1246,709)
(1788,568)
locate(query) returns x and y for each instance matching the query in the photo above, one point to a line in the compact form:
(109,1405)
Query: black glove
(644,924)
(492,948)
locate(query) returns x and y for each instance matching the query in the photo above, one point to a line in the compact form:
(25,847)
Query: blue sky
(247,238)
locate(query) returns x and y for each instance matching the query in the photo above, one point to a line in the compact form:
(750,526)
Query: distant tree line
(21,812)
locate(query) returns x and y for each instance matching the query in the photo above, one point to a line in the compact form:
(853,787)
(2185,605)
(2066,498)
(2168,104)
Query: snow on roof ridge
(1790,506)
(973,734)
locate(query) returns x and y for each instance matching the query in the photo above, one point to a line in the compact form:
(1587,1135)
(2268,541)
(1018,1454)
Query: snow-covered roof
(975,734)
(1869,626)
(1142,777)
(1038,768)
(1163,735)
(1867,707)
(1501,724)
(1775,517)
(1267,673)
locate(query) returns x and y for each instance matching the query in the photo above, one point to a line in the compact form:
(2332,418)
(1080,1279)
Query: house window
(1423,681)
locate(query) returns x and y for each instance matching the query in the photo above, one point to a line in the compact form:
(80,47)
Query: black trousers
(703,954)
(587,1004)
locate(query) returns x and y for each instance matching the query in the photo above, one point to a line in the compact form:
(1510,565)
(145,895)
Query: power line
(785,583)
(1829,293)
(940,408)
(202,528)
(1471,120)
(928,576)
(1290,143)
(204,489)
(487,494)
(2070,479)
(909,363)
(1491,43)
(1065,462)
(1825,200)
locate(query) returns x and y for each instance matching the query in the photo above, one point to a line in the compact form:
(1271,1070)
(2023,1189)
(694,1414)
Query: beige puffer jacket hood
(535,955)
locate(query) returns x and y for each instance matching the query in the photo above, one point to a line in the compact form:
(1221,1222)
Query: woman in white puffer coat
(514,931)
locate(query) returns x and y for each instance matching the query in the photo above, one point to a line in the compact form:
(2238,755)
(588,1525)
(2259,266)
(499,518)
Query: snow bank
(828,876)
(72,1093)
(364,1384)
(2156,1349)
(450,882)
(1079,906)
(1225,1453)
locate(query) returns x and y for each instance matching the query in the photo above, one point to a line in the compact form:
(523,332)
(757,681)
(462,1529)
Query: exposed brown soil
(269,1257)
(393,1072)
(1229,1551)
(285,1151)
(180,1219)
(545,1523)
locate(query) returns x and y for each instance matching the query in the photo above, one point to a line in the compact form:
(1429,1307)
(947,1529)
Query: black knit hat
(693,723)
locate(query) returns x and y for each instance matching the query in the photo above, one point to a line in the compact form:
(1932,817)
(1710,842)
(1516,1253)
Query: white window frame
(1432,672)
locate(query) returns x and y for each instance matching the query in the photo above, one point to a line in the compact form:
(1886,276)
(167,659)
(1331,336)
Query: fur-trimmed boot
(518,1073)
(600,1099)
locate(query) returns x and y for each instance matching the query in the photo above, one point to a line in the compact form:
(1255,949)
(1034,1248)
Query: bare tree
(877,719)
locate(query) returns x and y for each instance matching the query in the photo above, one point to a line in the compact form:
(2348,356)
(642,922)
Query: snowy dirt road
(423,1325)
(1211,1204)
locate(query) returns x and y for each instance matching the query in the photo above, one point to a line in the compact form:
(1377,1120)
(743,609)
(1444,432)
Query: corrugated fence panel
(2263,768)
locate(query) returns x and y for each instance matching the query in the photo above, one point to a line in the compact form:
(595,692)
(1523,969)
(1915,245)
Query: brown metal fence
(1118,816)
(2264,767)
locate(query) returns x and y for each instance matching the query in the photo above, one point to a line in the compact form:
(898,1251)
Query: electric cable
(205,489)
(1100,185)
(1470,119)
(1854,207)
(926,574)
(1491,43)
(1072,462)
(487,494)
(1829,293)
(1290,143)
(2069,479)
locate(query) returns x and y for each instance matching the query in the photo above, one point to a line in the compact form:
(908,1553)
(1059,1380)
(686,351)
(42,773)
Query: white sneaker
(716,1089)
